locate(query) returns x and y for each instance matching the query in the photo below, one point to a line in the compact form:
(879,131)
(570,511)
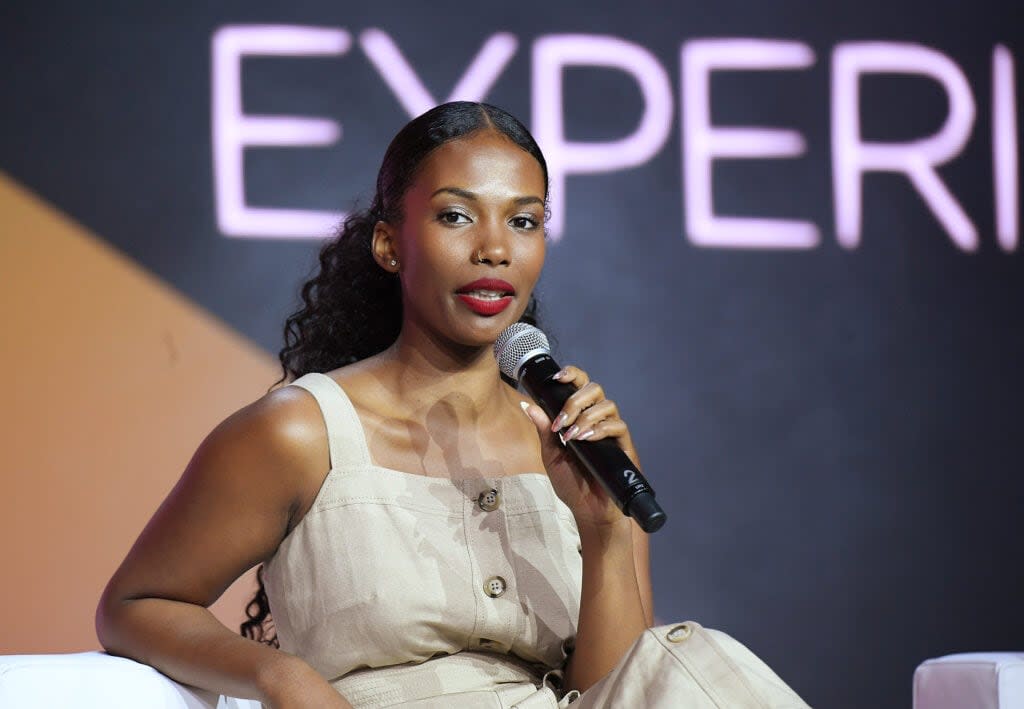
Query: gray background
(834,433)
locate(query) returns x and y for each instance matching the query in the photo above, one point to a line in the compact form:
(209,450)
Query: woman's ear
(383,247)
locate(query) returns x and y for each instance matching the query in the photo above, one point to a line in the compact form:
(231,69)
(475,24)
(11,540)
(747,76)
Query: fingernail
(571,433)
(559,375)
(524,406)
(559,422)
(586,435)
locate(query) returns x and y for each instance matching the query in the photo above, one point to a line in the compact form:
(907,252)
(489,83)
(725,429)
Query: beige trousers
(682,665)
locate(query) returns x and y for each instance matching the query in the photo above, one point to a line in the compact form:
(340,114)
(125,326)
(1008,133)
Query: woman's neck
(424,370)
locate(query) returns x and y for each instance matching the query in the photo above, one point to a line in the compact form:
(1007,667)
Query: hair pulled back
(352,308)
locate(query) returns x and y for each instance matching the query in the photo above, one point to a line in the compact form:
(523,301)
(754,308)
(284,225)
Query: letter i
(1004,148)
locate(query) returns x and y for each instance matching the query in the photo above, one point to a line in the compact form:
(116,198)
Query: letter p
(551,54)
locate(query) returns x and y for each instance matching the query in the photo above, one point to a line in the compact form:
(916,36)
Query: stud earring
(394,262)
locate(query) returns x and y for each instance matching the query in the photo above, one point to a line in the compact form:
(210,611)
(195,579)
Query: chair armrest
(96,680)
(981,680)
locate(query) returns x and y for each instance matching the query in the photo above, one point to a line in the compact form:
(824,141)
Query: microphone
(524,355)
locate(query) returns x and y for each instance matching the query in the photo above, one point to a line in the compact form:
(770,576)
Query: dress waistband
(465,671)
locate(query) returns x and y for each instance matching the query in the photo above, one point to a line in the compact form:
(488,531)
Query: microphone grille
(516,344)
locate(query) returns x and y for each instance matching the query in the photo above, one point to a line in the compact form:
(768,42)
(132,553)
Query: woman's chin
(483,335)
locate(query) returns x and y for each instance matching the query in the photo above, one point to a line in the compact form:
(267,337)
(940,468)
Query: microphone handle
(603,459)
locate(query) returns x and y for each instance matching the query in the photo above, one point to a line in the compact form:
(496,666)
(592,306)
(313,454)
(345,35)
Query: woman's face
(475,210)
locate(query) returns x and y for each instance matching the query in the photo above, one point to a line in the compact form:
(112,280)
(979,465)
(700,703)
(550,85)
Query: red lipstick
(486,296)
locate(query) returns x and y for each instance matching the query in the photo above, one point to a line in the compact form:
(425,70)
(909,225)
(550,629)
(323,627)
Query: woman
(424,542)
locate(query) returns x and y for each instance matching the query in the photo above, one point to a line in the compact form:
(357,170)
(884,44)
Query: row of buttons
(495,586)
(490,500)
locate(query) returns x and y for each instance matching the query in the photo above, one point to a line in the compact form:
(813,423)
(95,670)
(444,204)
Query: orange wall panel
(112,380)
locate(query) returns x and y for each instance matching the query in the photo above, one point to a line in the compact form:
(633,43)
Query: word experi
(702,141)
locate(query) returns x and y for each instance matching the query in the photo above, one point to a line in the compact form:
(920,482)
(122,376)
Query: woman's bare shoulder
(243,486)
(285,424)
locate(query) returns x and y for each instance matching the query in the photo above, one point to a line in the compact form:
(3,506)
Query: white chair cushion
(978,680)
(96,680)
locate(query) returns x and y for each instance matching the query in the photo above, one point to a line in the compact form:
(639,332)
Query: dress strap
(345,436)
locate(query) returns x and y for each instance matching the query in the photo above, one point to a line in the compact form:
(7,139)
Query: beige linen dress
(404,589)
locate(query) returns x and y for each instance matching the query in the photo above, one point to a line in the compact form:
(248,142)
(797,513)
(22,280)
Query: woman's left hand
(586,416)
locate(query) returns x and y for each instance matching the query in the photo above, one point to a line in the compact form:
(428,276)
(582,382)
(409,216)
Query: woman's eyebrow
(457,191)
(466,194)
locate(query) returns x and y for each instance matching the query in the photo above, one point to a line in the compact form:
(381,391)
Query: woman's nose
(492,246)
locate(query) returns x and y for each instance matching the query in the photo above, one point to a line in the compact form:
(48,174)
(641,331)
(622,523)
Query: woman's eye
(450,217)
(525,222)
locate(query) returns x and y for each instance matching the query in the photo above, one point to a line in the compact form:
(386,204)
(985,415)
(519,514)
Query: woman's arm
(228,512)
(616,602)
(613,612)
(642,566)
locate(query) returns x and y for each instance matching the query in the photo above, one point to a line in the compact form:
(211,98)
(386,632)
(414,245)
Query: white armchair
(96,680)
(975,680)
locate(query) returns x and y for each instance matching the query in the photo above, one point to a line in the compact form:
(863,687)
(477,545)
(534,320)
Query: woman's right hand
(313,696)
(298,686)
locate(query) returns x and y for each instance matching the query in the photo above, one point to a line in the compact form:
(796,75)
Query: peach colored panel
(112,380)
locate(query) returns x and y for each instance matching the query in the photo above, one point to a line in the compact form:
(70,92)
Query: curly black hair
(352,308)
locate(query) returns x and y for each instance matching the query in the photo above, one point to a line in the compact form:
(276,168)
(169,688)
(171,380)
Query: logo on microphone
(630,476)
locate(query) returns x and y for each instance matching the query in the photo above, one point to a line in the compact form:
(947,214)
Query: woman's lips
(485,306)
(489,284)
(486,296)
